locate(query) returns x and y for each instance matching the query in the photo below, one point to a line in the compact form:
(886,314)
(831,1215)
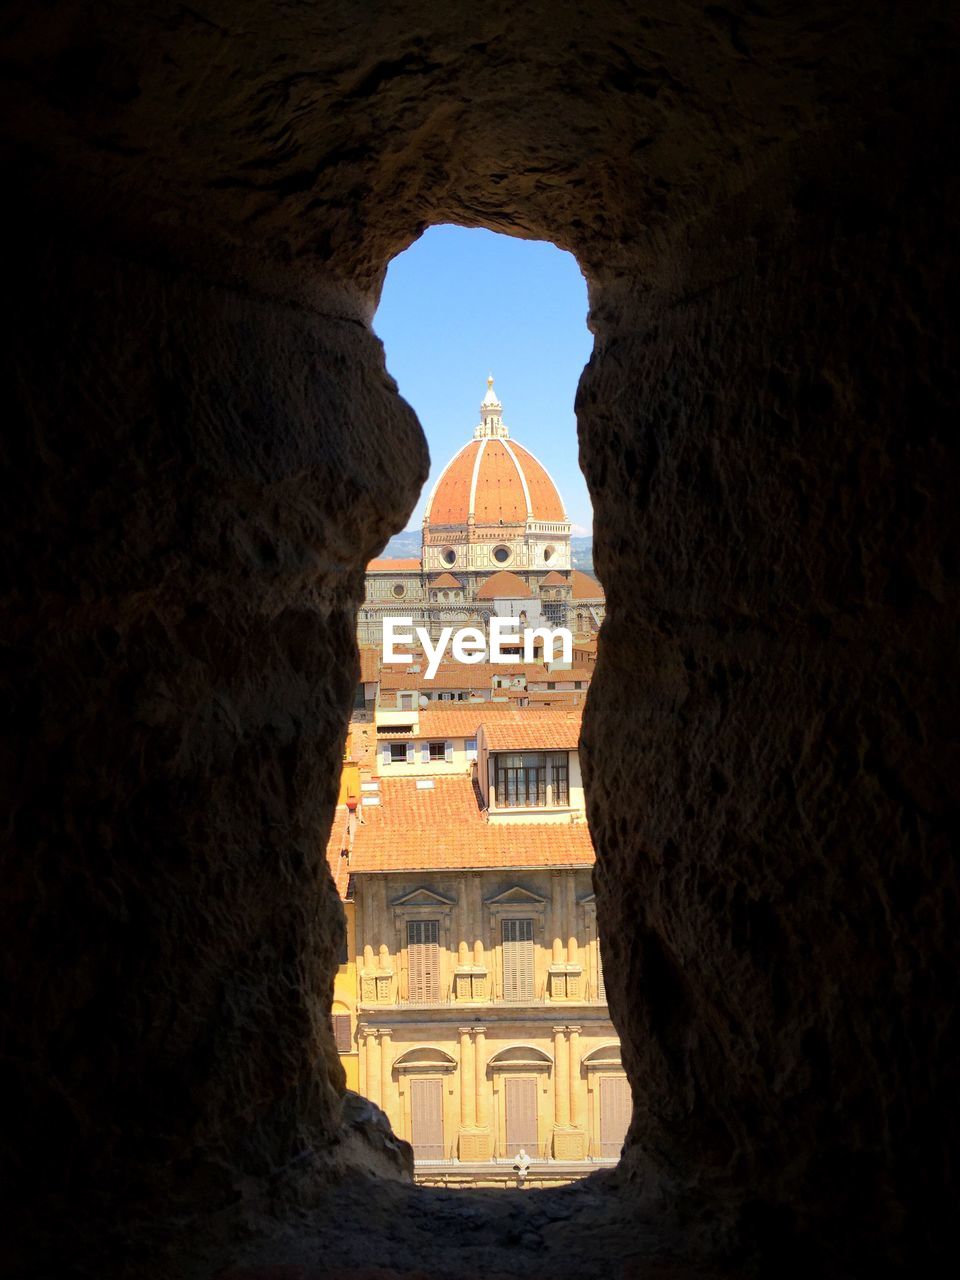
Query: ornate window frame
(423,904)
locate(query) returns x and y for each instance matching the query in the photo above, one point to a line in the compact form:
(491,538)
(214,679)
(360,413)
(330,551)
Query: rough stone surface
(180,659)
(203,449)
(778,822)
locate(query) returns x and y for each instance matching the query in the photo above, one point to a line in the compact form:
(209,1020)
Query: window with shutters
(423,961)
(341,1033)
(517,942)
(438,750)
(616,1107)
(398,753)
(520,1105)
(426,1119)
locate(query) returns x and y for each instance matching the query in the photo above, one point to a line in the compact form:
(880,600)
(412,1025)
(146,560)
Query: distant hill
(402,545)
(581,553)
(408,544)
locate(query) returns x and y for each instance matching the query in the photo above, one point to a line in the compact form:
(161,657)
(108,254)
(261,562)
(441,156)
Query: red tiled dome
(504,586)
(585,587)
(497,482)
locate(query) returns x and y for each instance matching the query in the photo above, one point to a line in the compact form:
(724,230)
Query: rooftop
(504,585)
(585,587)
(462,719)
(369,664)
(535,729)
(478,675)
(386,565)
(420,829)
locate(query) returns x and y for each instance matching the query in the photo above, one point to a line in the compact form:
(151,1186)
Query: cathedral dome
(504,586)
(493,480)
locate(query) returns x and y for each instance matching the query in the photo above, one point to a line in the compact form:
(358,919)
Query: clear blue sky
(461,303)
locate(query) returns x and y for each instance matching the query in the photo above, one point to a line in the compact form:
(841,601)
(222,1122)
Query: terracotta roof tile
(446,580)
(499,497)
(544,498)
(500,474)
(415,829)
(369,664)
(363,744)
(458,675)
(386,565)
(576,672)
(554,697)
(547,729)
(504,586)
(462,719)
(585,587)
(450,501)
(554,579)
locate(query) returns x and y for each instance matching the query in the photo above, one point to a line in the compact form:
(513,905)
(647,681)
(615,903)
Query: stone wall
(200,489)
(203,450)
(776,813)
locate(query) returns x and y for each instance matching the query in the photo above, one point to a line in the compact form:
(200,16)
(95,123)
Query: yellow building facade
(480,1023)
(345,989)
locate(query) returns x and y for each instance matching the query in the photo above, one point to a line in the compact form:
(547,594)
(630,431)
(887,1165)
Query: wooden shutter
(385,754)
(518,960)
(423,961)
(448,752)
(426,1118)
(520,1100)
(411,753)
(616,1108)
(341,1032)
(425,753)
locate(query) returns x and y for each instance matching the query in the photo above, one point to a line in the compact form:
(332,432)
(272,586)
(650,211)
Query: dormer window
(531,779)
